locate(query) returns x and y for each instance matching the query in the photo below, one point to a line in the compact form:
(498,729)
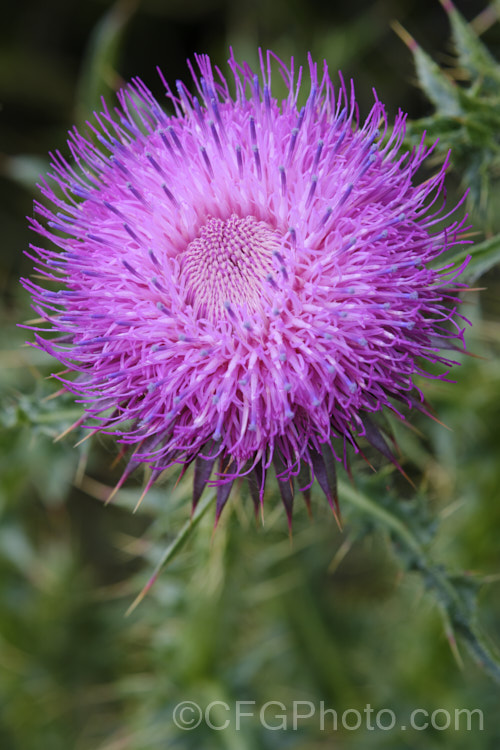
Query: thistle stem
(449,598)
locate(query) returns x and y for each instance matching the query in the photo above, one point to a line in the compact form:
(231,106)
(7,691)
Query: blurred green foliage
(364,616)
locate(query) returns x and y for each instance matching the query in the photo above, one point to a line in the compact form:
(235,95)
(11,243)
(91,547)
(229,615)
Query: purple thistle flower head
(244,280)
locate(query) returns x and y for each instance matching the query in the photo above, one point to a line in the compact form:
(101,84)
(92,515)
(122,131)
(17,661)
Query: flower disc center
(227,264)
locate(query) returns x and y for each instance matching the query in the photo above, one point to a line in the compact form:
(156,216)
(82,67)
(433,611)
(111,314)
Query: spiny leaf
(439,88)
(453,600)
(473,55)
(466,118)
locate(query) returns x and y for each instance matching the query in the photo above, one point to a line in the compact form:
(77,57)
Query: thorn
(450,635)
(404,35)
(87,437)
(68,430)
(340,554)
(285,488)
(56,374)
(112,494)
(447,5)
(141,595)
(182,472)
(374,436)
(255,483)
(223,492)
(53,395)
(435,419)
(202,471)
(476,356)
(127,472)
(338,518)
(372,467)
(145,491)
(323,464)
(118,458)
(304,478)
(307,499)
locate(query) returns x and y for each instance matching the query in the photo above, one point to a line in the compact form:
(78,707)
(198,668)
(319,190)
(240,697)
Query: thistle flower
(244,282)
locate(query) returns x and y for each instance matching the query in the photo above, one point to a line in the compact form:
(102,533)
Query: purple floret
(244,279)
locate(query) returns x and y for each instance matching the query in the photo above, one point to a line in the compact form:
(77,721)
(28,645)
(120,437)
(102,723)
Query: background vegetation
(379,614)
